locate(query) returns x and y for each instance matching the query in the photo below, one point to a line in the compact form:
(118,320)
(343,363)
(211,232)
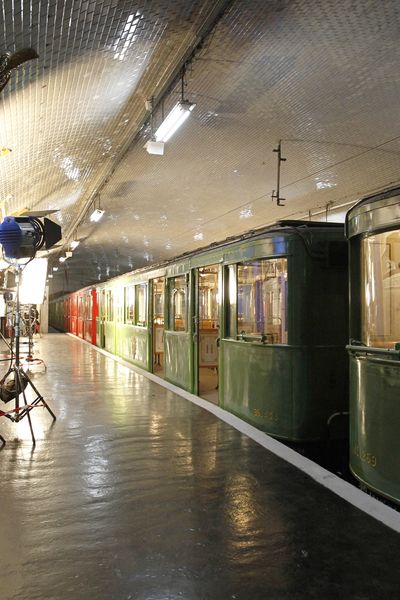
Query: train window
(89,306)
(109,305)
(141,304)
(158,301)
(80,307)
(102,304)
(231,322)
(380,285)
(130,304)
(119,305)
(178,303)
(262,299)
(208,296)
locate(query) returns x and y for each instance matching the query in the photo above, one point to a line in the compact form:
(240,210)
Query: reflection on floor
(158,370)
(208,384)
(137,494)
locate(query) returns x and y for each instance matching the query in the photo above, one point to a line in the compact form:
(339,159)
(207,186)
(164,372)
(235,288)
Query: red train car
(73,313)
(80,310)
(80,313)
(66,303)
(89,314)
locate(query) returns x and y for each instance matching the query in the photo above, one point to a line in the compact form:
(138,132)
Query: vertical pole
(18,378)
(276,194)
(17,334)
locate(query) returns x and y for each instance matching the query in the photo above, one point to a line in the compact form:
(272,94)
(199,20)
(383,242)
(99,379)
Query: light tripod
(21,379)
(30,322)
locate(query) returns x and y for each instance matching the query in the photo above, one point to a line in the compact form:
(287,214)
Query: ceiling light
(50,276)
(68,254)
(62,258)
(174,120)
(96,215)
(55,268)
(74,244)
(153,147)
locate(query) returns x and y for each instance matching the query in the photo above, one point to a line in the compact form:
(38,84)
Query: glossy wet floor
(136,493)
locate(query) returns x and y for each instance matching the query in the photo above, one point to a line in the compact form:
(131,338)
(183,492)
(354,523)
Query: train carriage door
(101,317)
(207,321)
(157,320)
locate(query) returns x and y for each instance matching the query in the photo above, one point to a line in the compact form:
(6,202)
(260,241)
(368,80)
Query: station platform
(136,493)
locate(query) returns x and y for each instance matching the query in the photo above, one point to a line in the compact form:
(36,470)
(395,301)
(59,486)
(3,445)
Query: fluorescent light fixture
(34,282)
(55,268)
(62,258)
(153,147)
(74,244)
(96,215)
(174,120)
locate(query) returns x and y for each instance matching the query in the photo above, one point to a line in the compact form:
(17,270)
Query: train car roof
(375,197)
(283,226)
(375,212)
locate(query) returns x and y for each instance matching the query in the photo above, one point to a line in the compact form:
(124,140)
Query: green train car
(373,229)
(257,323)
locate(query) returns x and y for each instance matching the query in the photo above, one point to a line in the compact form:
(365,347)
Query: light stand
(30,323)
(21,379)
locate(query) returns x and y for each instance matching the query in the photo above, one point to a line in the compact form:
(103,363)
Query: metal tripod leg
(20,389)
(39,397)
(21,379)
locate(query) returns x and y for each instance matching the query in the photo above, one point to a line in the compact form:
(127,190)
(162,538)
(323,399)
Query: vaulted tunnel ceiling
(322,76)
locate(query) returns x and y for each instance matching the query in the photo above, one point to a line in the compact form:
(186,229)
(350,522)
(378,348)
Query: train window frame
(380,278)
(172,297)
(80,312)
(129,304)
(260,301)
(141,305)
(89,314)
(231,301)
(158,298)
(101,302)
(109,306)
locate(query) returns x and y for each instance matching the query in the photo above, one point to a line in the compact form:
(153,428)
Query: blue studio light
(21,237)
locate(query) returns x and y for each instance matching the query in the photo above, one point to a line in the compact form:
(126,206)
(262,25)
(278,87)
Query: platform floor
(136,493)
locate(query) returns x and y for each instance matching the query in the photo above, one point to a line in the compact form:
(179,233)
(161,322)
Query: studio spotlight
(22,237)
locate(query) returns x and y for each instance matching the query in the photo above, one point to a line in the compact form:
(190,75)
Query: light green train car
(373,228)
(257,324)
